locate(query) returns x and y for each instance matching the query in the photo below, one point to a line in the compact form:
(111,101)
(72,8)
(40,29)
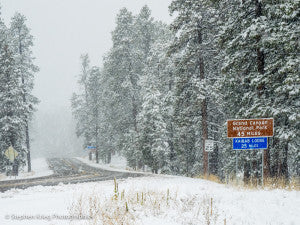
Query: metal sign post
(262,167)
(208,163)
(90,155)
(209,147)
(236,166)
(91,148)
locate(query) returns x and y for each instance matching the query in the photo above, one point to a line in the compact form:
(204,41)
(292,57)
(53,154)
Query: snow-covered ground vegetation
(149,200)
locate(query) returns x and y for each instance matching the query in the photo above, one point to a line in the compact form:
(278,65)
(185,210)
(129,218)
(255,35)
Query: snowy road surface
(67,170)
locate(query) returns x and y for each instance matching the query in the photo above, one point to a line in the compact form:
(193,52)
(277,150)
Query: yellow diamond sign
(11,153)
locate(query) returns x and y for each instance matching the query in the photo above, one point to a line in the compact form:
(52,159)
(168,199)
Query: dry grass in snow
(132,207)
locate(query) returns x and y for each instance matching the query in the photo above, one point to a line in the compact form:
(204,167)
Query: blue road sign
(91,147)
(250,143)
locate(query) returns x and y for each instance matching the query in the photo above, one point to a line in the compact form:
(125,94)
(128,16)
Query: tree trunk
(171,144)
(260,61)
(28,147)
(203,107)
(97,145)
(134,112)
(204,135)
(246,173)
(27,141)
(108,156)
(275,162)
(97,155)
(285,163)
(254,169)
(171,133)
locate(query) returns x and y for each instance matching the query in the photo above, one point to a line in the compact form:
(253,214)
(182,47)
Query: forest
(165,89)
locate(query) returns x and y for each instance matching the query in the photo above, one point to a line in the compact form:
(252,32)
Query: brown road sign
(250,128)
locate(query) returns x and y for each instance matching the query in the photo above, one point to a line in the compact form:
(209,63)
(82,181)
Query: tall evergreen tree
(80,103)
(195,67)
(153,127)
(11,102)
(120,79)
(123,67)
(154,119)
(23,42)
(256,51)
(94,108)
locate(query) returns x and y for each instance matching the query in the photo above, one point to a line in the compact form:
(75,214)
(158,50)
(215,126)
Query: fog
(54,135)
(63,30)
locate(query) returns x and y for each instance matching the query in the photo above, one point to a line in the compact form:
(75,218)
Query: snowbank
(39,168)
(150,201)
(118,164)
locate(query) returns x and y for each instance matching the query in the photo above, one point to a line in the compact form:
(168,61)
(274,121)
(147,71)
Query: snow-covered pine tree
(123,67)
(152,127)
(12,106)
(243,62)
(261,75)
(120,81)
(22,45)
(110,137)
(88,109)
(146,32)
(80,103)
(155,117)
(280,82)
(194,26)
(143,37)
(94,110)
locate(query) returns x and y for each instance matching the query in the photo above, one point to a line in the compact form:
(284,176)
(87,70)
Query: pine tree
(80,103)
(94,108)
(260,68)
(22,42)
(123,67)
(153,132)
(121,81)
(195,67)
(89,110)
(281,82)
(153,128)
(11,103)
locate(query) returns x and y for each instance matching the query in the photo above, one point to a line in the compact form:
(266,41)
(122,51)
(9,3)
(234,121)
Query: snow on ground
(118,164)
(39,168)
(167,200)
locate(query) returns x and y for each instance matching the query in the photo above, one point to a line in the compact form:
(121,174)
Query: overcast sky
(64,29)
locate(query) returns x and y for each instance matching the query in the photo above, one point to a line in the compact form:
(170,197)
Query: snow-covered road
(67,170)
